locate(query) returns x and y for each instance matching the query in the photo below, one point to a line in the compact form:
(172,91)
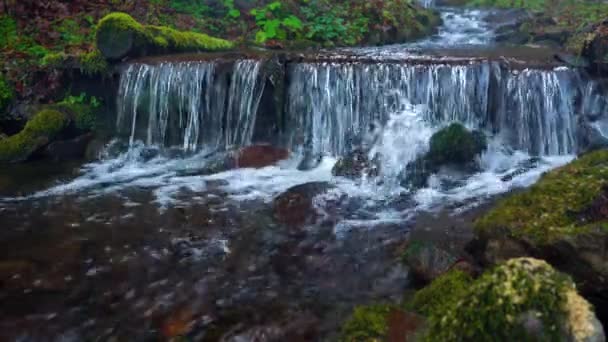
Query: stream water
(150,240)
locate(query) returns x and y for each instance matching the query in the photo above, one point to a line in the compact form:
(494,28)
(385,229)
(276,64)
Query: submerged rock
(295,207)
(427,261)
(562,219)
(356,164)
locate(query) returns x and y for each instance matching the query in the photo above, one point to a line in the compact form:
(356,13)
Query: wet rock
(522,168)
(72,149)
(427,261)
(295,206)
(259,156)
(574,61)
(592,135)
(356,164)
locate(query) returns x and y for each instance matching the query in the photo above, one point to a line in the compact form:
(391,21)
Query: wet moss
(45,125)
(500,305)
(119,35)
(367,323)
(548,210)
(443,291)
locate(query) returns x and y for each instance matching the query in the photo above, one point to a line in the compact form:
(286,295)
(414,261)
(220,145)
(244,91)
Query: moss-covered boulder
(456,145)
(38,132)
(523,299)
(562,219)
(119,36)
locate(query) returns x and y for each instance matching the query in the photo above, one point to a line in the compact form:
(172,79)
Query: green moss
(547,210)
(45,125)
(6,94)
(366,323)
(443,291)
(174,40)
(496,306)
(119,35)
(93,63)
(54,59)
(455,144)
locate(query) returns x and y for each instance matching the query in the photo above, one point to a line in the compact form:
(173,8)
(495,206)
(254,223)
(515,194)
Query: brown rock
(403,326)
(259,156)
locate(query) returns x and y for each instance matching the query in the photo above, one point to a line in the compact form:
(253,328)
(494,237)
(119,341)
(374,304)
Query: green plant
(273,23)
(8,32)
(84,108)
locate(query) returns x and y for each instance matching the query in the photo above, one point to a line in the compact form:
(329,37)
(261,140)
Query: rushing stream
(152,234)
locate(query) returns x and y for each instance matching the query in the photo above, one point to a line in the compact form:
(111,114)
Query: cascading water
(390,108)
(189,104)
(532,110)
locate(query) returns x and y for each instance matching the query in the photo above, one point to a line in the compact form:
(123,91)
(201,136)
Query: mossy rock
(523,299)
(119,36)
(38,132)
(456,145)
(562,219)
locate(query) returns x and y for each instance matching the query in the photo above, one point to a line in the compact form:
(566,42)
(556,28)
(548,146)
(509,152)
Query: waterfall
(189,104)
(534,110)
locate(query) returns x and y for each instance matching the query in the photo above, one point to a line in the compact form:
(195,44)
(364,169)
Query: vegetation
(119,35)
(43,127)
(83,108)
(555,206)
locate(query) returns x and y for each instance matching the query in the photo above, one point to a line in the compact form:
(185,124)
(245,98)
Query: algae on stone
(119,36)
